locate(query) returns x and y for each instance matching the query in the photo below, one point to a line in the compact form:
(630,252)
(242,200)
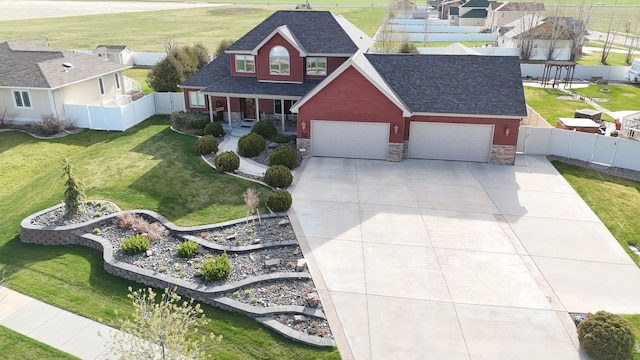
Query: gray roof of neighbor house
(118,48)
(454,84)
(476,4)
(23,64)
(215,77)
(317,31)
(520,6)
(475,14)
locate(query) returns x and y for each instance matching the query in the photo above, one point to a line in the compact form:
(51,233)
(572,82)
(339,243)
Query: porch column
(229,111)
(282,114)
(257,109)
(210,109)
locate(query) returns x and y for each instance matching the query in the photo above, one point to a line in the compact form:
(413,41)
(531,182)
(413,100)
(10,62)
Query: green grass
(621,97)
(145,31)
(634,319)
(445,44)
(614,59)
(149,167)
(16,346)
(140,75)
(544,101)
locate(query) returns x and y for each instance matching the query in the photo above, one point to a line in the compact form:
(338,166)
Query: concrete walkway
(428,259)
(76,335)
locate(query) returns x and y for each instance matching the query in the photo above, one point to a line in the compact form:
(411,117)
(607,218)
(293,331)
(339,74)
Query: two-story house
(510,11)
(311,67)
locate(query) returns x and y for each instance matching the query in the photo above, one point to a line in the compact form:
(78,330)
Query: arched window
(279,60)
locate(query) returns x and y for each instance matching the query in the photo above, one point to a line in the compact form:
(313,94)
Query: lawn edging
(80,234)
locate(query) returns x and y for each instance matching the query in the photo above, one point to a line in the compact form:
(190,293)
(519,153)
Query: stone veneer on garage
(502,155)
(80,234)
(395,151)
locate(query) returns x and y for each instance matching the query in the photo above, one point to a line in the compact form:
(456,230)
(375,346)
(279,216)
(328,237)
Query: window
(316,66)
(22,99)
(245,63)
(277,105)
(279,61)
(116,77)
(196,99)
(101,86)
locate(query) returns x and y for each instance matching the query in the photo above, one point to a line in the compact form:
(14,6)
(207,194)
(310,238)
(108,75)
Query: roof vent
(66,66)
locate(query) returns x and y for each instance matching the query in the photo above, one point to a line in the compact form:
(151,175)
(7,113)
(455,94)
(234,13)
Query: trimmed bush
(214,129)
(214,269)
(187,249)
(266,129)
(227,161)
(206,145)
(251,145)
(606,336)
(189,122)
(279,200)
(278,176)
(280,138)
(284,155)
(135,244)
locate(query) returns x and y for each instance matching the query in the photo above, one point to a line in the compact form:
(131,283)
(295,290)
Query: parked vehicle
(634,72)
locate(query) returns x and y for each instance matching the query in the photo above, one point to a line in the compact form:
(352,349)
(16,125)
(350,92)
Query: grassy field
(614,59)
(140,75)
(149,167)
(545,103)
(15,346)
(145,31)
(621,97)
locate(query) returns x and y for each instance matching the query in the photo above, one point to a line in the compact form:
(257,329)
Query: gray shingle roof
(475,14)
(454,10)
(454,84)
(476,4)
(23,64)
(317,31)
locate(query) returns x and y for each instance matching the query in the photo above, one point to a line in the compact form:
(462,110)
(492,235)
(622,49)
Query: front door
(248,108)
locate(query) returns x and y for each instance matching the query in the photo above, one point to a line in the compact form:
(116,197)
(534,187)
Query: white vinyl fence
(585,72)
(118,118)
(168,102)
(606,150)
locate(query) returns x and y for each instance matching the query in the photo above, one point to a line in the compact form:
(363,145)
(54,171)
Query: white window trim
(288,62)
(197,96)
(21,92)
(101,88)
(315,68)
(245,58)
(116,78)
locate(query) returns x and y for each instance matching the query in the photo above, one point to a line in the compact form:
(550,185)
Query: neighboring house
(346,103)
(454,16)
(119,54)
(507,12)
(474,13)
(37,81)
(444,7)
(545,36)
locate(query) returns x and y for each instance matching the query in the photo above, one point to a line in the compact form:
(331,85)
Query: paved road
(452,260)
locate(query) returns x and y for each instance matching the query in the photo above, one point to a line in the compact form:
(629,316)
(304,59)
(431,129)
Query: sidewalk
(76,335)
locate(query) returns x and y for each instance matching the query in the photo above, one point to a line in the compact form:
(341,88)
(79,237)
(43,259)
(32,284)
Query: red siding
(232,61)
(332,64)
(499,137)
(266,106)
(296,63)
(186,101)
(351,97)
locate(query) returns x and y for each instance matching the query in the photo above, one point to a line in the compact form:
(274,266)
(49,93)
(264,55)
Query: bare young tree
(579,27)
(633,44)
(169,44)
(527,38)
(612,31)
(252,199)
(555,26)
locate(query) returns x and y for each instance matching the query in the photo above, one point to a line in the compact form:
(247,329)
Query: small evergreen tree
(181,62)
(74,194)
(224,44)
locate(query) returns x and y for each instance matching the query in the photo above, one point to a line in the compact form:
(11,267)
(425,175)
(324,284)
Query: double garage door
(368,140)
(348,139)
(444,141)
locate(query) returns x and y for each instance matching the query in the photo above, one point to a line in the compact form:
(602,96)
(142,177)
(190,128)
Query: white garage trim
(349,139)
(447,141)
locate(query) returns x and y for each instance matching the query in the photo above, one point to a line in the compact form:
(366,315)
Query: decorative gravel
(90,210)
(609,170)
(251,232)
(270,293)
(308,324)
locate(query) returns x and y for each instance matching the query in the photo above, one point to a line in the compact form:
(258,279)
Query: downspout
(52,102)
(210,109)
(229,111)
(282,114)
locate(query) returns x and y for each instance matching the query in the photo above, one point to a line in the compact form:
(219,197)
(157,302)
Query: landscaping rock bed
(268,271)
(263,157)
(609,170)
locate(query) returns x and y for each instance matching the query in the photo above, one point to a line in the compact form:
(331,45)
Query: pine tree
(74,195)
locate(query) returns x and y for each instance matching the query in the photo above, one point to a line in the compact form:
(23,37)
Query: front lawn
(621,97)
(17,346)
(146,167)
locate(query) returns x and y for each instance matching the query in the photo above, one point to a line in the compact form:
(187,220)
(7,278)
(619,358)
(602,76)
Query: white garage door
(444,141)
(359,140)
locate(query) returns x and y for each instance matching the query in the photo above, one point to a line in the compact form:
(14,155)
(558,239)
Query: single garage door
(445,141)
(347,139)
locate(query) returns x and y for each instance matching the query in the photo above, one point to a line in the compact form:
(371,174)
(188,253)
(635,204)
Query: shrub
(215,269)
(155,231)
(280,138)
(190,122)
(50,125)
(266,129)
(284,155)
(278,176)
(206,145)
(606,336)
(250,145)
(187,249)
(135,244)
(214,129)
(227,161)
(279,200)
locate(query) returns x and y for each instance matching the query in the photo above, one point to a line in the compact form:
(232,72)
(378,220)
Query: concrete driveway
(450,260)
